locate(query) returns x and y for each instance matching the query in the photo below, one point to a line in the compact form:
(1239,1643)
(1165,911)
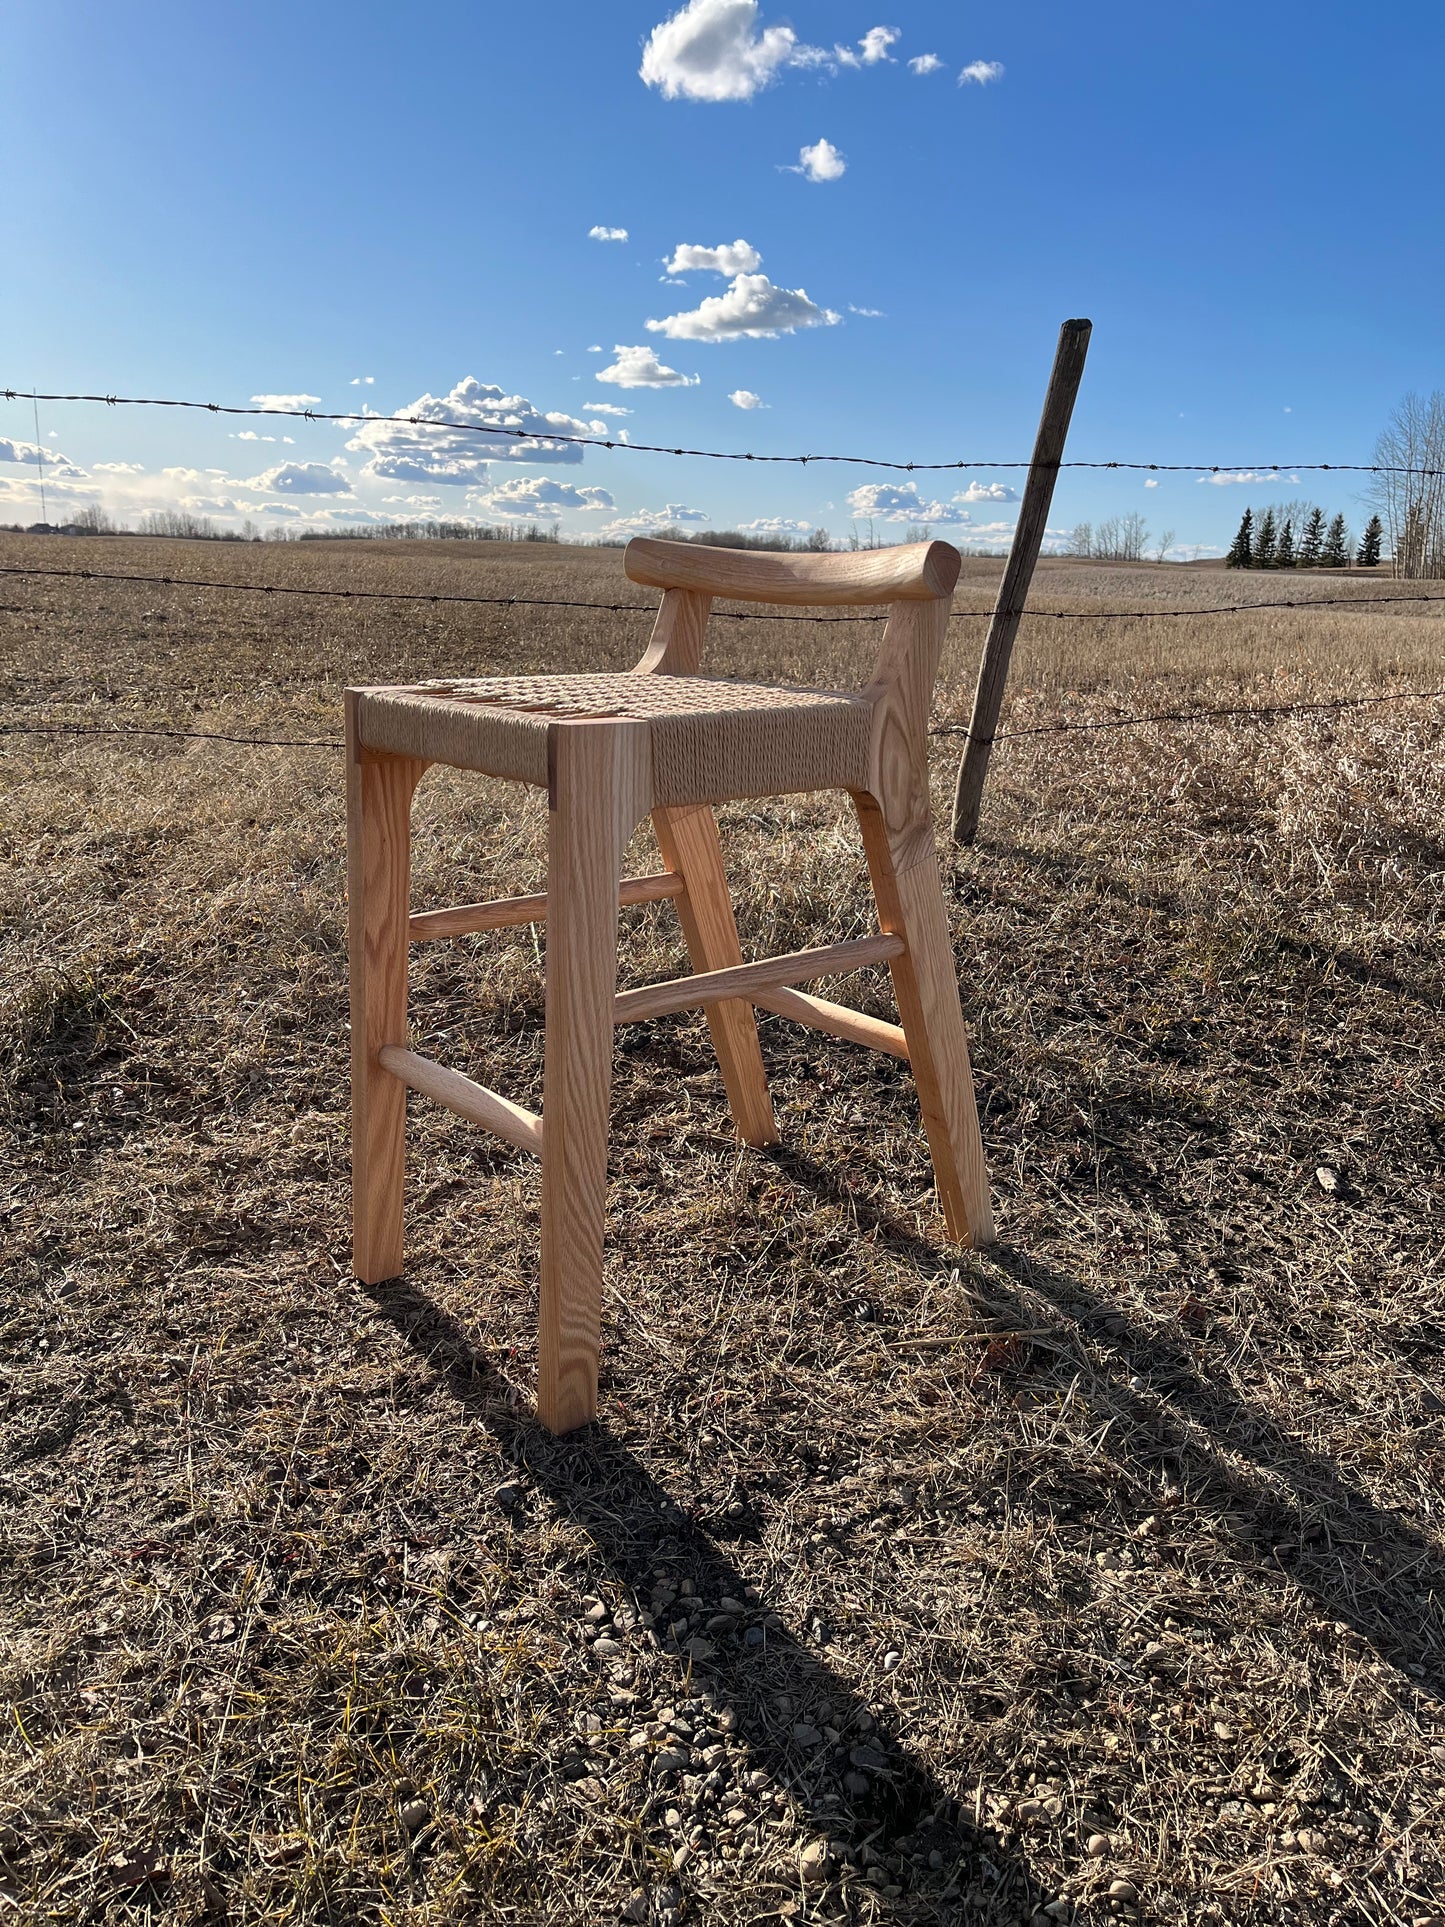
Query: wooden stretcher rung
(836,1019)
(720,986)
(503,912)
(473,1101)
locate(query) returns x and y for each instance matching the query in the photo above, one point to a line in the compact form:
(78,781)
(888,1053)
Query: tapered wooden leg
(904,869)
(378,869)
(593,808)
(688,839)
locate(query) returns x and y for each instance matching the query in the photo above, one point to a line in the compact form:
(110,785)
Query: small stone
(607,1648)
(596,1611)
(508,1496)
(1124,1890)
(699,1648)
(414,1815)
(1328,1179)
(671,1759)
(806,1735)
(1223,1731)
(1097,1846)
(636,1908)
(867,1759)
(754,1636)
(855,1784)
(1058,1910)
(935,1860)
(813,1864)
(892,1661)
(672,1818)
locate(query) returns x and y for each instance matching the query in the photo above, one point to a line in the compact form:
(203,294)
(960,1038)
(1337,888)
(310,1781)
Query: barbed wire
(723,615)
(1205,714)
(546,440)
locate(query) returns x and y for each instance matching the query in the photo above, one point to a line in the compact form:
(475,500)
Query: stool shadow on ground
(1294,1511)
(637,1526)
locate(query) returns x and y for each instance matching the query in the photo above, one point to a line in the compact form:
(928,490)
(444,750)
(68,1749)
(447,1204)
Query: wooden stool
(609,750)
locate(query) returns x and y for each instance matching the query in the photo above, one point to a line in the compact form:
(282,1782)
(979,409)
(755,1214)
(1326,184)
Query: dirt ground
(1097,1575)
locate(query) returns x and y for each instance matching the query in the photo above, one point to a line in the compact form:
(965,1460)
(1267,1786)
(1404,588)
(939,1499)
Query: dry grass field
(1099,1575)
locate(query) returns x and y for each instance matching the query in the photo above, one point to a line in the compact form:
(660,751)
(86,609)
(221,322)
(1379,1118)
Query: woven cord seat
(667,742)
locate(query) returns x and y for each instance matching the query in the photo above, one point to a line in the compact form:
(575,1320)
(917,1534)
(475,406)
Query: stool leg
(378,868)
(903,866)
(688,839)
(589,821)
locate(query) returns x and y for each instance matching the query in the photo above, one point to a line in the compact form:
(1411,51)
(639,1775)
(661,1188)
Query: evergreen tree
(1313,540)
(1368,555)
(1336,552)
(1284,554)
(1241,554)
(1264,541)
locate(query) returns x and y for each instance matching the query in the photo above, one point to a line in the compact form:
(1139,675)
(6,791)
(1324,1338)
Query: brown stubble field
(895,1584)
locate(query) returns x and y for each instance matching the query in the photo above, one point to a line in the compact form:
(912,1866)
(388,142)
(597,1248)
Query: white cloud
(900,502)
(979,73)
(869,314)
(250,435)
(1194,551)
(745,398)
(713,50)
(1223,478)
(607,234)
(925,64)
(774,525)
(300,478)
(875,44)
(1152,482)
(596,348)
(674,515)
(458,451)
(363,381)
(529,495)
(987,492)
(120,468)
(639,367)
(415,501)
(729,257)
(58,467)
(284,401)
(998,535)
(752,307)
(607,408)
(820,162)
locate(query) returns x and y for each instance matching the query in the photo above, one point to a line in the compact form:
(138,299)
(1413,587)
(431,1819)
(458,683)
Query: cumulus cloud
(714,50)
(675,515)
(607,234)
(745,398)
(987,492)
(284,401)
(774,525)
(530,495)
(978,73)
(820,162)
(1152,482)
(752,307)
(639,367)
(58,467)
(301,478)
(1225,477)
(608,408)
(729,257)
(875,44)
(457,451)
(363,381)
(415,501)
(925,64)
(900,502)
(120,468)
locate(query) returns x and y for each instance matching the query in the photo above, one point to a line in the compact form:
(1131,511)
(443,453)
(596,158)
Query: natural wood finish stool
(610,749)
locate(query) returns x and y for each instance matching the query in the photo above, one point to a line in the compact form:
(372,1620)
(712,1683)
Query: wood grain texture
(716,986)
(688,839)
(910,904)
(460,1094)
(918,572)
(1008,609)
(379,790)
(463,919)
(902,692)
(676,644)
(854,1026)
(599,789)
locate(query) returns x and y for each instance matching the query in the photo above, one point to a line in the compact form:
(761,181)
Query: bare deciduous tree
(1412,505)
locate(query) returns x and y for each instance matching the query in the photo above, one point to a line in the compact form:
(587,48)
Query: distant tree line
(1295,535)
(1123,538)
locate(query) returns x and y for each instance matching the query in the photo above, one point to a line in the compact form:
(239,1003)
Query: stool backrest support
(915,581)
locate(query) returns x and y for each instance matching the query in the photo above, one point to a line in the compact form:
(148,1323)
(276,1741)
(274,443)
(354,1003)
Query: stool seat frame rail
(664,742)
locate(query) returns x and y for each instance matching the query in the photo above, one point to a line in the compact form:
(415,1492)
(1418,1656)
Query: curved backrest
(920,572)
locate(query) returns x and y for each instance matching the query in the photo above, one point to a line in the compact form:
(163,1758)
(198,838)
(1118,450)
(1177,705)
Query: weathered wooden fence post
(1014,589)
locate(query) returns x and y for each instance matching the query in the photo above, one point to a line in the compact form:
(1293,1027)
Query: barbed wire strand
(941,729)
(544,439)
(724,615)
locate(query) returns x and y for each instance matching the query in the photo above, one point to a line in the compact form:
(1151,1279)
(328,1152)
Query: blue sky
(370,205)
